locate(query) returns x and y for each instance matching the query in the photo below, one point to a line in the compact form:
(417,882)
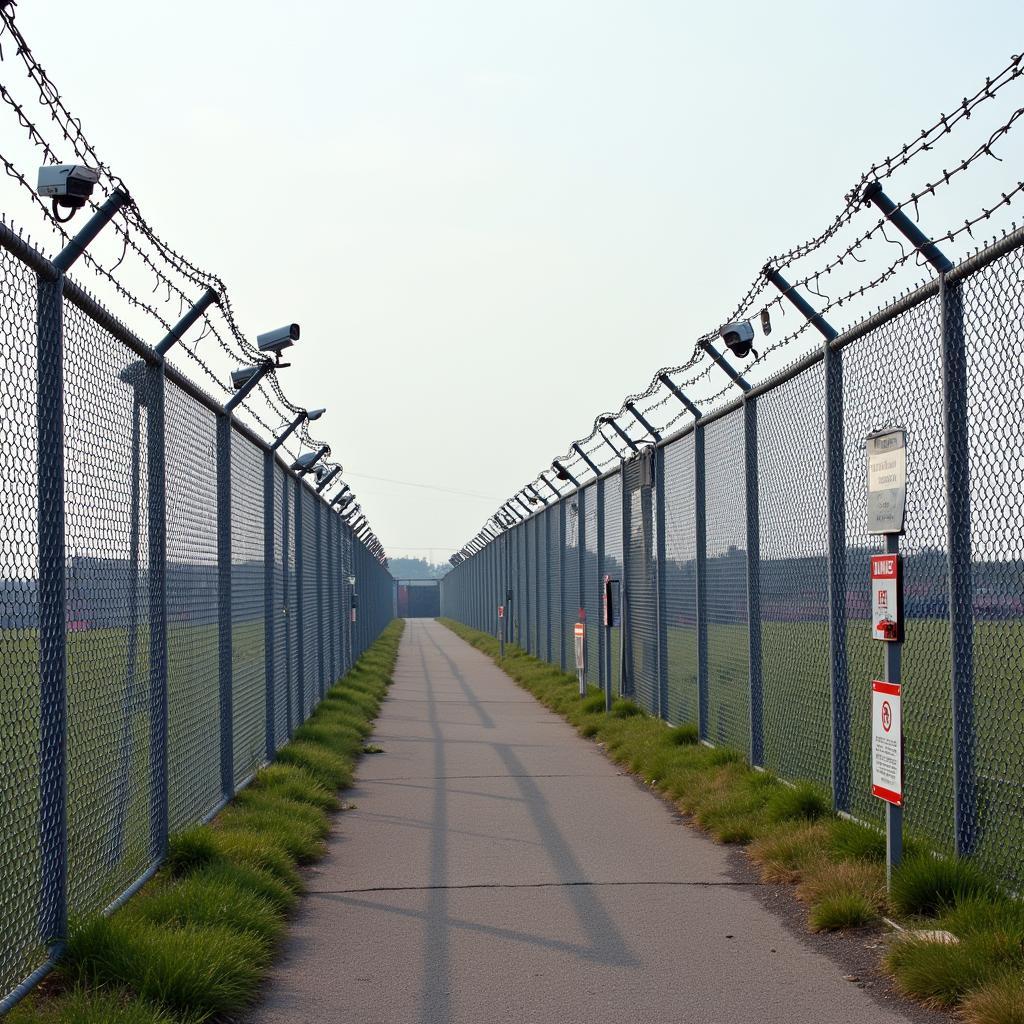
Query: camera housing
(68,186)
(314,414)
(239,378)
(277,341)
(739,338)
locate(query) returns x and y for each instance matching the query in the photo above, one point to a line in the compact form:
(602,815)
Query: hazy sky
(494,220)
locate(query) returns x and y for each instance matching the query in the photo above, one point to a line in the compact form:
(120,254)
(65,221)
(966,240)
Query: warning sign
(501,611)
(886,597)
(887,741)
(887,480)
(579,634)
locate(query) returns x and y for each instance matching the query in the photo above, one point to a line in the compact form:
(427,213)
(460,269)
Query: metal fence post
(659,581)
(562,625)
(626,610)
(227,772)
(53,837)
(958,534)
(753,583)
(319,555)
(157,529)
(285,606)
(300,611)
(604,673)
(268,602)
(700,511)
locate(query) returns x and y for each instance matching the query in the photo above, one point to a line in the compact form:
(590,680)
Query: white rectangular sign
(887,741)
(887,480)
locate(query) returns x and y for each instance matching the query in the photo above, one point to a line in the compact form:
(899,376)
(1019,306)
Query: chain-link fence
(174,601)
(742,548)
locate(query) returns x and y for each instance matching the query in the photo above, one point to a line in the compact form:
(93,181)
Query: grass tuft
(683,735)
(999,1001)
(925,886)
(840,911)
(850,840)
(81,1006)
(623,708)
(202,971)
(802,802)
(293,783)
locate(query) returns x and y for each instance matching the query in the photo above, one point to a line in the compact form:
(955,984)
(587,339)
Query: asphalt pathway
(498,868)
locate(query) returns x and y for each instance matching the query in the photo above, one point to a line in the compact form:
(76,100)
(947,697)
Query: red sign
(886,598)
(501,611)
(578,629)
(887,741)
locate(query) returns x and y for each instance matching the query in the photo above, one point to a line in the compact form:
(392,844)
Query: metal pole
(625,437)
(561,586)
(625,622)
(700,508)
(322,486)
(893,812)
(177,332)
(579,451)
(604,674)
(319,542)
(227,779)
(269,618)
(753,584)
(286,570)
(157,530)
(737,378)
(53,834)
(288,431)
(248,387)
(93,226)
(958,538)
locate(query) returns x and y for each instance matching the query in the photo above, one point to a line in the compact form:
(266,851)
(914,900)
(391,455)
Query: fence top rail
(78,297)
(971,265)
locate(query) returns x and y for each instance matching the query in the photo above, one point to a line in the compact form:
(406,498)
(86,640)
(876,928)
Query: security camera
(314,414)
(304,463)
(68,186)
(239,378)
(739,338)
(277,341)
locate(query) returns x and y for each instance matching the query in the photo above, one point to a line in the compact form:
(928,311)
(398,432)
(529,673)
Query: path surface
(497,868)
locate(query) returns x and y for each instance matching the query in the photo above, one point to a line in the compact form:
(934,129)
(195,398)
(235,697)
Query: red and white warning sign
(501,611)
(579,635)
(887,597)
(887,741)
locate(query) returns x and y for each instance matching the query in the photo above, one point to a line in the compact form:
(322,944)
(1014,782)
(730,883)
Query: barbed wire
(72,132)
(756,298)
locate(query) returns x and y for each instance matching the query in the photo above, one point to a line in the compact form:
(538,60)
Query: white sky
(494,220)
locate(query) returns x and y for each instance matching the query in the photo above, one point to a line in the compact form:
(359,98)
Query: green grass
(791,832)
(194,944)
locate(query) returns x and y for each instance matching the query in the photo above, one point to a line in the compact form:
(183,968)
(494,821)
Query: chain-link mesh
(641,586)
(540,546)
(279,606)
(681,581)
(993,311)
(556,602)
(728,686)
(310,638)
(192,695)
(591,587)
(248,708)
(794,595)
(612,566)
(875,396)
(20,783)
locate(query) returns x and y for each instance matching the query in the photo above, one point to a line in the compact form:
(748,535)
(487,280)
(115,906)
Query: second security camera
(277,341)
(739,338)
(67,185)
(239,378)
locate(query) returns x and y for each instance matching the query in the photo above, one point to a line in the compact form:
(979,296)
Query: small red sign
(501,611)
(578,629)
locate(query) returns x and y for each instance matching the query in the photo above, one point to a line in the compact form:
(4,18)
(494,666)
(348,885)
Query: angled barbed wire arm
(625,437)
(561,471)
(687,404)
(641,419)
(533,490)
(177,332)
(322,486)
(604,437)
(554,490)
(583,455)
(789,292)
(525,504)
(730,371)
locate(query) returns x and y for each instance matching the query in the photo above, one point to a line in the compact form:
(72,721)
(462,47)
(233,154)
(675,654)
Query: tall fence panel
(145,546)
(760,609)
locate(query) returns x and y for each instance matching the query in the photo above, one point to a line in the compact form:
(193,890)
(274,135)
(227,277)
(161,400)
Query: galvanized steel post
(224,648)
(753,583)
(270,745)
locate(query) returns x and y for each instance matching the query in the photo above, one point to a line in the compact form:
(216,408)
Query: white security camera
(277,341)
(304,463)
(314,414)
(739,337)
(67,185)
(239,378)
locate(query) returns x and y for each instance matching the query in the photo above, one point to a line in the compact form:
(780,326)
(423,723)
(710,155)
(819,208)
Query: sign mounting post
(887,501)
